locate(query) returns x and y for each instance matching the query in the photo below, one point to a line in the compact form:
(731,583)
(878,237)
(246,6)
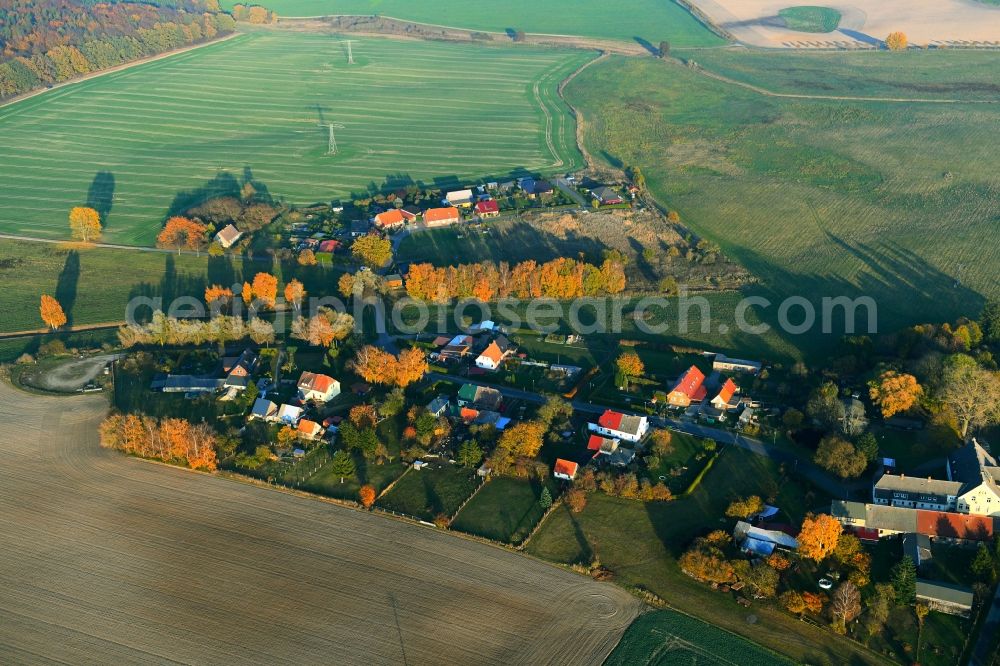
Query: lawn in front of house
(438,489)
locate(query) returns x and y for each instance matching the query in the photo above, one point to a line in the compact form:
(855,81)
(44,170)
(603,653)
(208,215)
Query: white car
(825,583)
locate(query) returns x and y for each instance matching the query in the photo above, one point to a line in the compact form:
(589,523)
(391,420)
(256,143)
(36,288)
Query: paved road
(569,191)
(835,487)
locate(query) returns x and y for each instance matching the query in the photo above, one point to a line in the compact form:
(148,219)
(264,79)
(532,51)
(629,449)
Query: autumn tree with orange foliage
(52,312)
(374,365)
(894,392)
(896,41)
(367,496)
(411,366)
(576,500)
(216,293)
(324,329)
(818,537)
(182,233)
(307,258)
(85,224)
(372,250)
(294,293)
(362,416)
(265,289)
(246,293)
(630,365)
(170,440)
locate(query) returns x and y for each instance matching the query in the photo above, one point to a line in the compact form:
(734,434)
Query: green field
(810,18)
(668,638)
(650,20)
(816,198)
(150,140)
(918,73)
(94,285)
(505,510)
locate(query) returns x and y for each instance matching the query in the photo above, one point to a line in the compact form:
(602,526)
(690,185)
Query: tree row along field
(645,20)
(816,197)
(148,140)
(188,567)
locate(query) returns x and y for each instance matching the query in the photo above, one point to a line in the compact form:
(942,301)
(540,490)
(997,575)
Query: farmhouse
(689,388)
(264,409)
(240,366)
(723,400)
(758,541)
(442,217)
(488,208)
(459,198)
(620,426)
(606,196)
(438,405)
(228,235)
(565,469)
(359,228)
(945,597)
(309,430)
(393,281)
(724,364)
(494,354)
(874,521)
(480,397)
(316,387)
(390,219)
(329,246)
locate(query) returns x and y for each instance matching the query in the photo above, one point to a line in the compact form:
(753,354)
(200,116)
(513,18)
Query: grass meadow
(148,141)
(507,509)
(649,20)
(815,197)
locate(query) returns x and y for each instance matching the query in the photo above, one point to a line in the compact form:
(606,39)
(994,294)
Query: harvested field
(863,22)
(114,560)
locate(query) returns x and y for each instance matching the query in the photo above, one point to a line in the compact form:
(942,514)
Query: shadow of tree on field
(224,184)
(644,43)
(66,284)
(101,195)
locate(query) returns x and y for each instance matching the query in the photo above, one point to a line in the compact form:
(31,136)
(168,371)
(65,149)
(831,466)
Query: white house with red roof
(565,469)
(725,396)
(309,429)
(228,235)
(390,219)
(487,208)
(317,387)
(627,427)
(689,388)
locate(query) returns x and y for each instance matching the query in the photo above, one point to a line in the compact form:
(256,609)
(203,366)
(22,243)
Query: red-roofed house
(390,219)
(329,246)
(690,388)
(228,235)
(565,469)
(945,525)
(620,426)
(442,217)
(726,393)
(410,213)
(488,208)
(492,356)
(310,429)
(601,445)
(313,386)
(468,414)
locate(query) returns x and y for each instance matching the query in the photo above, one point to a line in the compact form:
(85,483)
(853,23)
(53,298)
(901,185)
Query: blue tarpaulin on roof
(758,547)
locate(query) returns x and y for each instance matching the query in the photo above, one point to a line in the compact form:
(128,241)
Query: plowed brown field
(107,559)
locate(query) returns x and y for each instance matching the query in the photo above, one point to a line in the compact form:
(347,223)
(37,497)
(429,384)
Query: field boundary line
(118,68)
(577,116)
(30,333)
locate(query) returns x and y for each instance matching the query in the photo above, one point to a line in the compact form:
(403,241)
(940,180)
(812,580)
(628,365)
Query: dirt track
(113,560)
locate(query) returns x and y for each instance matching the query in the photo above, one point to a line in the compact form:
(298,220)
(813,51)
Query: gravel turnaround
(109,559)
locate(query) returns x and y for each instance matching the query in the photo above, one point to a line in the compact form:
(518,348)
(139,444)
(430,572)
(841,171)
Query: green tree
(545,500)
(555,410)
(470,454)
(664,49)
(983,564)
(989,321)
(904,582)
(342,465)
(867,445)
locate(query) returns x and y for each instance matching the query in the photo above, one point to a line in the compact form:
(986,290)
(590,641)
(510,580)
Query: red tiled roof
(407,214)
(566,467)
(308,427)
(610,419)
(691,384)
(389,218)
(488,206)
(493,353)
(468,414)
(954,525)
(594,443)
(329,246)
(441,214)
(728,389)
(311,381)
